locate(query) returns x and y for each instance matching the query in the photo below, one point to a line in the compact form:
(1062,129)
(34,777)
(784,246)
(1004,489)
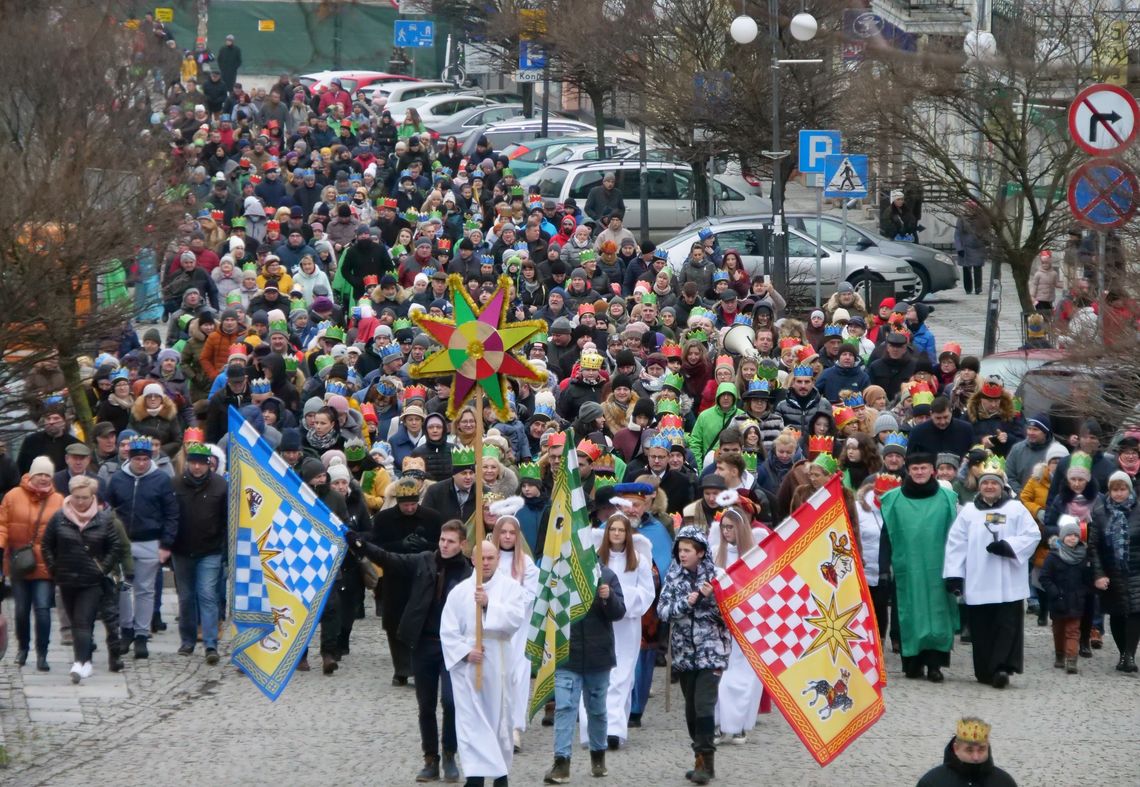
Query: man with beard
(51,440)
(968,760)
(454,498)
(365,257)
(407,528)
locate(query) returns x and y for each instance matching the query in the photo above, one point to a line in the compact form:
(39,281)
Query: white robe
(520,664)
(991,579)
(740,690)
(483,717)
(637,590)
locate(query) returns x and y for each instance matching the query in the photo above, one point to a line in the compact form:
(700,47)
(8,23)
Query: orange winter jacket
(21,522)
(216,351)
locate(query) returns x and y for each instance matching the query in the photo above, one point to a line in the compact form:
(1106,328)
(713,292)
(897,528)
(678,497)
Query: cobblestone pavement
(174,720)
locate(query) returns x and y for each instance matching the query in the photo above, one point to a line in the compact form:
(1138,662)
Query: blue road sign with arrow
(414,33)
(845,176)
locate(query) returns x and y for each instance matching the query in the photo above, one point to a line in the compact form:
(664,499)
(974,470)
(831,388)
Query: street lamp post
(744,31)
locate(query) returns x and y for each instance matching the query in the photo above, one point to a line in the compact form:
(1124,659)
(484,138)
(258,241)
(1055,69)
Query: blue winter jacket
(923,340)
(146,504)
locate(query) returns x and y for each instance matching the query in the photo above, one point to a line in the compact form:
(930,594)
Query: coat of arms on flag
(287,548)
(568,577)
(799,607)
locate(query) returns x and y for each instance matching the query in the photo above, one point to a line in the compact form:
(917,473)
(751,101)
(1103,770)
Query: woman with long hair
(859,460)
(412,124)
(740,690)
(630,557)
(515,563)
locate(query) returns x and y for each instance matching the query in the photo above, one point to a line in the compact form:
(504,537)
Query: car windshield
(1010,368)
(550,182)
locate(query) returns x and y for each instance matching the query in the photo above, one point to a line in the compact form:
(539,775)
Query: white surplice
(740,690)
(637,590)
(482,717)
(520,664)
(990,578)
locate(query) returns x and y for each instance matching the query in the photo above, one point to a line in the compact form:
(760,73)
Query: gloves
(954,585)
(414,542)
(352,538)
(1001,549)
(1040,517)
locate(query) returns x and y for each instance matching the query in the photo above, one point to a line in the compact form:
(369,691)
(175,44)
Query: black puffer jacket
(437,457)
(80,558)
(202,515)
(1123,594)
(592,636)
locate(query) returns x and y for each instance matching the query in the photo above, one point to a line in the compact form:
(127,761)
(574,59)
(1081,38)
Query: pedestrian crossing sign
(845,176)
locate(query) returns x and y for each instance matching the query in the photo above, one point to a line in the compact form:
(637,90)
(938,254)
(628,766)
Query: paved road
(174,720)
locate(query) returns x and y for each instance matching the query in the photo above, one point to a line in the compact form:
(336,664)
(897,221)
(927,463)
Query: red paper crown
(806,355)
(217,215)
(443,244)
(273,225)
(789,343)
(557,439)
(671,350)
(371,280)
(993,388)
(193,435)
(820,444)
(590,449)
(415,392)
(670,421)
(885,482)
(369,413)
(388,203)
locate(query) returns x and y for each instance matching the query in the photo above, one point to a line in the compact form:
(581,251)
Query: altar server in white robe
(482,716)
(634,569)
(515,565)
(740,690)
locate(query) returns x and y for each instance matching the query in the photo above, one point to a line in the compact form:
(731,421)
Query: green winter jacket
(710,423)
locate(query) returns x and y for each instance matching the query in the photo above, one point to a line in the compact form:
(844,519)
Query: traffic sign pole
(843,255)
(818,243)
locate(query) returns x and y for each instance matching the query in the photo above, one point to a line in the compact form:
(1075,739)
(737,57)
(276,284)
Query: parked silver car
(750,239)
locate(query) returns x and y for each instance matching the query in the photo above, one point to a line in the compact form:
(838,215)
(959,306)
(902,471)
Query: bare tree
(84,181)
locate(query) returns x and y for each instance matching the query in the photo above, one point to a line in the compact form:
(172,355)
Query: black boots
(559,773)
(41,663)
(141,651)
(430,772)
(598,763)
(704,770)
(22,657)
(450,769)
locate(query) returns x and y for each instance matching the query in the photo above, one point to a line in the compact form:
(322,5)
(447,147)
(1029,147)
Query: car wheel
(923,281)
(858,281)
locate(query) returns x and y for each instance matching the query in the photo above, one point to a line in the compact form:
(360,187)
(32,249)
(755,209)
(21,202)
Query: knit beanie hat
(885,423)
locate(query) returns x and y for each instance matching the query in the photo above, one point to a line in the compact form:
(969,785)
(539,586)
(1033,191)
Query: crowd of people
(315,232)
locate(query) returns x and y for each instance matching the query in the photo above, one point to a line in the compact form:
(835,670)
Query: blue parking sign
(815,146)
(413,33)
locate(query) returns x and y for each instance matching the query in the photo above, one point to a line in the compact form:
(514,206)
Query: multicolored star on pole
(478,347)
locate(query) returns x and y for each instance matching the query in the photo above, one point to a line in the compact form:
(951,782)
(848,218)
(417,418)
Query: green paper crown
(649,298)
(238,223)
(532,471)
(492,450)
(412,216)
(290,364)
(355,450)
(279,326)
(674,381)
(323,362)
(750,460)
(401,324)
(587,255)
(233,297)
(462,457)
(827,462)
(249,267)
(516,191)
(1081,460)
(471,225)
(668,406)
(198,449)
(336,333)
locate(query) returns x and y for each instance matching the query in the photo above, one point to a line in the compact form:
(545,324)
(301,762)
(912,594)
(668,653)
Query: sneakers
(211,656)
(86,670)
(186,650)
(76,672)
(739,738)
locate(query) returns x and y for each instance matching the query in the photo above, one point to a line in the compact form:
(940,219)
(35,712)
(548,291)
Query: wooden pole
(477,552)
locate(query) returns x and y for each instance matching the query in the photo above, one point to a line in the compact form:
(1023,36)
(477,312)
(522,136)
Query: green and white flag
(568,577)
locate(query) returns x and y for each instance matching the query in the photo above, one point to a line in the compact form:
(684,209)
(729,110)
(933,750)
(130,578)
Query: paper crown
(492,451)
(885,482)
(194,435)
(972,730)
(1080,461)
(543,412)
(827,462)
(803,371)
(854,401)
(249,267)
(843,416)
(386,386)
(335,388)
(369,413)
(820,443)
(697,336)
(674,381)
(806,355)
(556,439)
(290,364)
(668,406)
(401,323)
(757,389)
(462,457)
(591,361)
(660,440)
(530,471)
(719,276)
(406,488)
(789,343)
(335,333)
(371,280)
(414,392)
(673,436)
(198,449)
(388,203)
(390,351)
(768,369)
(649,299)
(671,350)
(587,255)
(355,450)
(921,397)
(670,421)
(835,329)
(993,387)
(120,374)
(951,347)
(793,433)
(590,449)
(725,361)
(260,386)
(742,319)
(896,439)
(140,443)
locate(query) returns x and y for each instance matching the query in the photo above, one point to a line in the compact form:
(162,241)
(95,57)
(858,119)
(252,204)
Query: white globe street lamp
(743,29)
(979,45)
(803,26)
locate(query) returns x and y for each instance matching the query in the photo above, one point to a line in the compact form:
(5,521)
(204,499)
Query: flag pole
(477,552)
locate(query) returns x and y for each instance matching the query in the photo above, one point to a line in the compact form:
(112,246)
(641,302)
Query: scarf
(446,568)
(125,404)
(80,518)
(917,491)
(1116,530)
(1132,467)
(321,443)
(153,411)
(1071,555)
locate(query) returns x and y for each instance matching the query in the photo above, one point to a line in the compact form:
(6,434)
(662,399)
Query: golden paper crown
(973,730)
(591,361)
